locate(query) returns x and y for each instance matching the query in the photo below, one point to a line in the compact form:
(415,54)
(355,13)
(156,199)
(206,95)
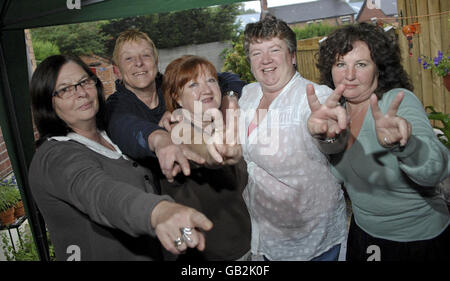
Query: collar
(92,145)
(121,89)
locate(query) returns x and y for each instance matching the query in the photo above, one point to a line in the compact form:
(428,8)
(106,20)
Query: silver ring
(186,232)
(178,242)
(386,141)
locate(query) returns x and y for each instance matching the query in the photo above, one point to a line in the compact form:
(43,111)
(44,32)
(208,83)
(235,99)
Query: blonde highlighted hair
(132,35)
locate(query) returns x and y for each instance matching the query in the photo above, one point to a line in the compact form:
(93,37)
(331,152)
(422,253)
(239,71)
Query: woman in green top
(390,159)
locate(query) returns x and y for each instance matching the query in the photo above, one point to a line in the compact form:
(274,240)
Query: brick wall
(5,164)
(106,75)
(104,71)
(329,21)
(367,14)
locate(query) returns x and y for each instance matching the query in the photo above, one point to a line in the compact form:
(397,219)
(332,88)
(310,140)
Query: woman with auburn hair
(189,83)
(136,110)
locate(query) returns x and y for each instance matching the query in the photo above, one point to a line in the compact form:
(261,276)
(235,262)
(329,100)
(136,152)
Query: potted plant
(19,210)
(7,202)
(439,65)
(443,133)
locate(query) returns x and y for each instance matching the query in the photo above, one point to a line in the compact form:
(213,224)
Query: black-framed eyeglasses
(69,91)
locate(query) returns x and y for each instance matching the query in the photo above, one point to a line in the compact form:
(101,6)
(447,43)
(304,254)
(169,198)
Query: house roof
(389,7)
(356,6)
(312,10)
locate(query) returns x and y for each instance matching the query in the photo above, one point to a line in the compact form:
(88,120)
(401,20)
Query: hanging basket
(7,217)
(19,210)
(447,82)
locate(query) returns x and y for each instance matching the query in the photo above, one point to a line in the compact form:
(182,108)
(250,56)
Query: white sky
(255,5)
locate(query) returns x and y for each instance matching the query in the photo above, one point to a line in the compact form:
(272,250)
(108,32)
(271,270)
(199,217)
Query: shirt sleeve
(424,158)
(129,130)
(230,82)
(79,180)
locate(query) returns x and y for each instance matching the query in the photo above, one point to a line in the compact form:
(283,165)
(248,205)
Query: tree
(313,30)
(76,39)
(43,49)
(168,30)
(236,61)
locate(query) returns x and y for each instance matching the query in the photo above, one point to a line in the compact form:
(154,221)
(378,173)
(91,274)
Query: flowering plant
(442,132)
(439,65)
(9,194)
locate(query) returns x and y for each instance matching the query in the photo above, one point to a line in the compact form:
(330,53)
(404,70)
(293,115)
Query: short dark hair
(42,87)
(268,28)
(384,51)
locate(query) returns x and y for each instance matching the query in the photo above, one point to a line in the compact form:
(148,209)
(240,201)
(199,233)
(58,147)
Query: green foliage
(169,30)
(26,250)
(9,194)
(313,30)
(445,120)
(236,61)
(439,64)
(43,49)
(76,39)
(243,11)
(6,199)
(249,11)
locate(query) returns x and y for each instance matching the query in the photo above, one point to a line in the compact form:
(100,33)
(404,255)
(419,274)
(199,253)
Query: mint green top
(385,185)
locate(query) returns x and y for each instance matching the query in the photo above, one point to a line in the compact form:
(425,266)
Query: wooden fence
(306,58)
(433,17)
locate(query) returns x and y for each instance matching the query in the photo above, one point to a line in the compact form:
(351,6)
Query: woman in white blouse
(296,206)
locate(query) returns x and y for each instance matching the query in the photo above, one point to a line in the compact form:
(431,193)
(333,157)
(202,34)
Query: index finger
(176,169)
(189,154)
(184,164)
(200,221)
(333,99)
(212,150)
(214,115)
(393,108)
(166,125)
(313,101)
(231,126)
(177,116)
(376,112)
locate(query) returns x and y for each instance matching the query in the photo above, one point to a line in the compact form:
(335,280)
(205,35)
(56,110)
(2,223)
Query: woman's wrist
(332,145)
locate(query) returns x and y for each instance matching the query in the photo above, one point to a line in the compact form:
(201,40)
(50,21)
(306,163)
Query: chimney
(264,9)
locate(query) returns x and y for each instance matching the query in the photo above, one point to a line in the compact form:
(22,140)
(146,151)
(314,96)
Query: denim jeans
(331,255)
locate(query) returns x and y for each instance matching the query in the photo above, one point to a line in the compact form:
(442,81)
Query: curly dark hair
(384,51)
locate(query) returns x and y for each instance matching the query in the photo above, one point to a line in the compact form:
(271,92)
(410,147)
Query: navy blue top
(130,121)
